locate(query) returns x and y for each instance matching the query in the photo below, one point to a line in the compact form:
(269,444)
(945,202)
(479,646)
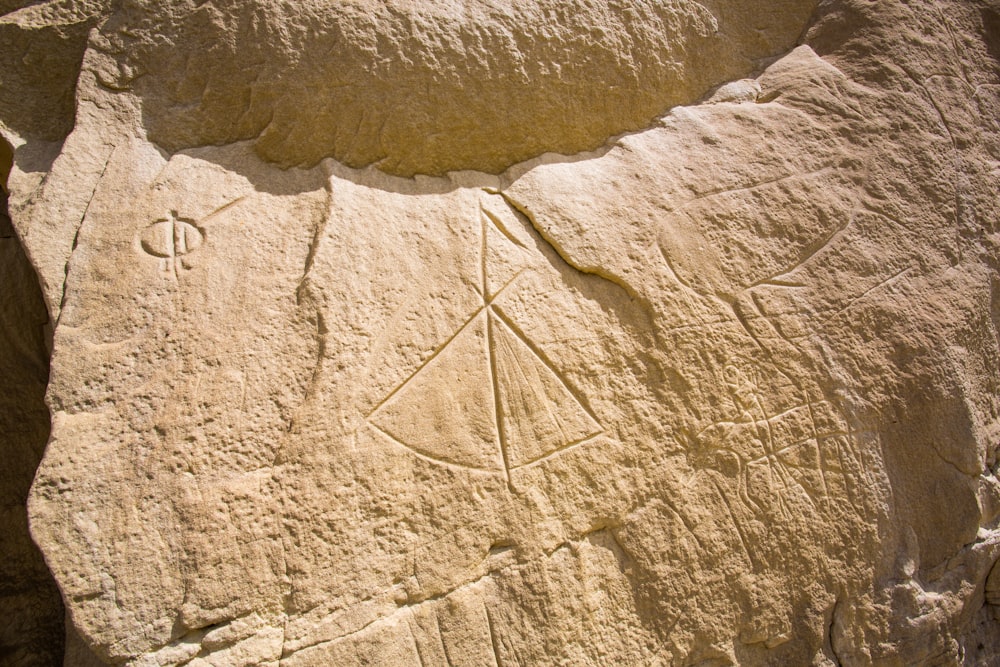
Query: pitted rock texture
(432,86)
(41,49)
(721,391)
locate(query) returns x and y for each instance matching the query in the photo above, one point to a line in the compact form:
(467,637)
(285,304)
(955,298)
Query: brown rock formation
(723,390)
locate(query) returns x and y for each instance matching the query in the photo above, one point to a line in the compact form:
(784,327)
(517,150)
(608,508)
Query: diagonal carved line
(427,457)
(428,360)
(504,287)
(541,357)
(855,300)
(725,190)
(445,344)
(501,227)
(782,472)
(219,211)
(736,524)
(546,245)
(820,436)
(517,367)
(488,300)
(811,251)
(576,443)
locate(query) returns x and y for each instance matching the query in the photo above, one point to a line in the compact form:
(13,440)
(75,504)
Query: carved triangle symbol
(446,410)
(487,398)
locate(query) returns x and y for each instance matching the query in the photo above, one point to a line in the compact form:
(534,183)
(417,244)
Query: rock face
(723,390)
(426,87)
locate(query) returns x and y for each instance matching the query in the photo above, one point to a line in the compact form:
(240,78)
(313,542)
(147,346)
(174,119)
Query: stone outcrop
(426,87)
(376,341)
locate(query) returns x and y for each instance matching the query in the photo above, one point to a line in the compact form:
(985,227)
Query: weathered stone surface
(427,87)
(41,47)
(722,391)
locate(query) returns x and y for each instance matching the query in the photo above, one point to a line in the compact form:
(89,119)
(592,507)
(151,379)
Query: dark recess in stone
(31,609)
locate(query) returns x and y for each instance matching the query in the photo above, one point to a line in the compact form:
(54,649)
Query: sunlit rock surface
(358,359)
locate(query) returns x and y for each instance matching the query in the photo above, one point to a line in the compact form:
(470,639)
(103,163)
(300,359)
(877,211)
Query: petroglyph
(782,454)
(335,382)
(487,399)
(169,239)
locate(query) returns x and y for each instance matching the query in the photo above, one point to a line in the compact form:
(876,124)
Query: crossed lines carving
(487,398)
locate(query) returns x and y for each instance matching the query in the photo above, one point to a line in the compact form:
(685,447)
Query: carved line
(775,466)
(494,639)
(556,452)
(426,361)
(549,248)
(815,248)
(493,314)
(501,227)
(684,521)
(815,438)
(500,316)
(774,460)
(542,358)
(483,251)
(222,209)
(516,367)
(338,639)
(707,324)
(783,472)
(443,345)
(745,323)
(431,459)
(855,300)
(503,288)
(819,450)
(773,457)
(497,405)
(434,355)
(491,348)
(755,186)
(855,468)
(756,560)
(174,243)
(416,645)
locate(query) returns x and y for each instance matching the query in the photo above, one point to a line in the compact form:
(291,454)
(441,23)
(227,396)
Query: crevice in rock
(31,609)
(543,233)
(76,237)
(830,632)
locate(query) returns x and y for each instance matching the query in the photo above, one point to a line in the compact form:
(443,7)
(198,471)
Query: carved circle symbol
(171,237)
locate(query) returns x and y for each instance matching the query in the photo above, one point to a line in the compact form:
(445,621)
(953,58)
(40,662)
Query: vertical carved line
(497,407)
(491,349)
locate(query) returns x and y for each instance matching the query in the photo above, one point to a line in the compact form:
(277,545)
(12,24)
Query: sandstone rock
(41,46)
(427,87)
(723,390)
